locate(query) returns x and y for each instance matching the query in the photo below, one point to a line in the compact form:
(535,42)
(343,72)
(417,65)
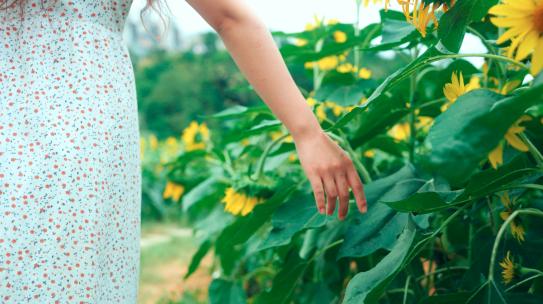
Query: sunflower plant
(450,152)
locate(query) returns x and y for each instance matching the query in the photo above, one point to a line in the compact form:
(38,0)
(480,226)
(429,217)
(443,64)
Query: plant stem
(529,211)
(533,150)
(524,281)
(412,107)
(323,250)
(490,56)
(406,288)
(356,34)
(490,49)
(262,160)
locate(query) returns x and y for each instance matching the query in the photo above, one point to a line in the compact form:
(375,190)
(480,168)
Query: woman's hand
(253,49)
(331,171)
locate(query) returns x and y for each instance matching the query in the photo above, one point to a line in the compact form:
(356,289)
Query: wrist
(307,128)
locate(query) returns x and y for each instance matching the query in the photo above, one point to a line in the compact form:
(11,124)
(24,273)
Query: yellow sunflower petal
(537,57)
(495,157)
(516,142)
(527,45)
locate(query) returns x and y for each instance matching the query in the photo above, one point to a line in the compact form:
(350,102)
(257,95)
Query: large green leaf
(427,199)
(366,287)
(375,118)
(381,225)
(295,215)
(244,227)
(376,229)
(473,126)
(197,257)
(386,102)
(453,24)
(222,291)
(490,180)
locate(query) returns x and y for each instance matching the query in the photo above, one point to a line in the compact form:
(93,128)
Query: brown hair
(154,5)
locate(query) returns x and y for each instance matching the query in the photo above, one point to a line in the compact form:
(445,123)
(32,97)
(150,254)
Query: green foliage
(442,218)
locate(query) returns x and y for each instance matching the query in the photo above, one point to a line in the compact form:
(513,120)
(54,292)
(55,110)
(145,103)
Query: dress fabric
(70,178)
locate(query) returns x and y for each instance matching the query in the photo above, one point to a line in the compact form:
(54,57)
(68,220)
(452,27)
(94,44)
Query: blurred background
(184,73)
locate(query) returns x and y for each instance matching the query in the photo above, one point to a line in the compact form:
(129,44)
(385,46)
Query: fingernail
(321,210)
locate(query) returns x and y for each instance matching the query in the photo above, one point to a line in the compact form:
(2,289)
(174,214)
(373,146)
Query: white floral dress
(69,155)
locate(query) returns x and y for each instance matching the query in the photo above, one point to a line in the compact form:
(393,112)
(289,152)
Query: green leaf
(307,53)
(222,291)
(366,287)
(453,24)
(473,126)
(375,118)
(488,293)
(382,101)
(197,257)
(374,230)
(427,199)
(285,281)
(292,217)
(345,95)
(490,180)
(395,28)
(204,189)
(237,111)
(380,226)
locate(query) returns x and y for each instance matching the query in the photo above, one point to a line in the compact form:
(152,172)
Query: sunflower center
(538,19)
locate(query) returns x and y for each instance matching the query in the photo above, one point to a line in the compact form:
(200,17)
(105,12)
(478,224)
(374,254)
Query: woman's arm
(327,166)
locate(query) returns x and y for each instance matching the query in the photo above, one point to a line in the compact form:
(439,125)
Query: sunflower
(457,88)
(340,37)
(173,190)
(238,202)
(508,272)
(195,136)
(421,15)
(367,2)
(517,230)
(400,132)
(364,73)
(496,156)
(325,64)
(524,20)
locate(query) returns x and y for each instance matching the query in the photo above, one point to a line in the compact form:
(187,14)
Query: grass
(164,263)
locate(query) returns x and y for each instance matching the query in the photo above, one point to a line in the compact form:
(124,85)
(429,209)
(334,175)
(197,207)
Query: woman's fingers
(331,192)
(358,189)
(318,191)
(343,192)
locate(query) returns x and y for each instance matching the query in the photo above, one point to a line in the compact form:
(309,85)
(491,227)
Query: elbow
(225,24)
(228,23)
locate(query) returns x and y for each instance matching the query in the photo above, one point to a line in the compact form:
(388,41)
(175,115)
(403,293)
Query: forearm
(253,49)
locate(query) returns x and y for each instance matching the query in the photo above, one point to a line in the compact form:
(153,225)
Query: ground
(166,251)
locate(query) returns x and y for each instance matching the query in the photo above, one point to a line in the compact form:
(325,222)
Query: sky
(292,16)
(283,15)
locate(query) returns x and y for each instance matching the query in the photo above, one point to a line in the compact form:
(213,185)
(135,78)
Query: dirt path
(165,258)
